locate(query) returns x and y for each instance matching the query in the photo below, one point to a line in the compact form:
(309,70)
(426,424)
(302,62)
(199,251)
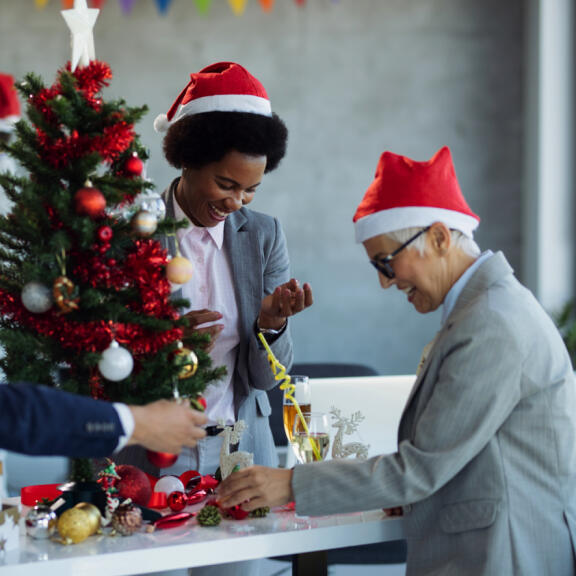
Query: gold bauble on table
(94,513)
(75,525)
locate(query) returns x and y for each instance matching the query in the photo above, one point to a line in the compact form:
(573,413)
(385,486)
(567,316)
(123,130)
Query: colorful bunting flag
(98,3)
(41,3)
(267,5)
(163,6)
(300,2)
(126,6)
(67,4)
(203,6)
(238,6)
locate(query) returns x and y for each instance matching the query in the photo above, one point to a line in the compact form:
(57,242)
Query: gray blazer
(486,462)
(256,246)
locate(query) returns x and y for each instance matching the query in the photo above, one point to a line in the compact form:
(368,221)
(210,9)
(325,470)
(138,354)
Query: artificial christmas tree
(84,293)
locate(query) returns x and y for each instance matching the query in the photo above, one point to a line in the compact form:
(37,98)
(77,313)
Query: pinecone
(209,516)
(260,512)
(127,519)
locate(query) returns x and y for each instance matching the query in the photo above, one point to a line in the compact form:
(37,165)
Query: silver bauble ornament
(37,297)
(41,522)
(153,203)
(116,362)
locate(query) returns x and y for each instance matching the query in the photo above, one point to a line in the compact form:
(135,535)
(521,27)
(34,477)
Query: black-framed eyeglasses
(383,264)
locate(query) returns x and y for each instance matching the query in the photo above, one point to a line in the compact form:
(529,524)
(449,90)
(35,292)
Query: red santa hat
(406,194)
(9,103)
(220,87)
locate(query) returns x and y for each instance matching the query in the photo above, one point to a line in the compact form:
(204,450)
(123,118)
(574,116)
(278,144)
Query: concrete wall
(351,79)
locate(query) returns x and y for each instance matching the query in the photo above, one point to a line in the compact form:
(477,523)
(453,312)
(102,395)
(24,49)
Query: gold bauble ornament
(74,525)
(94,513)
(179,270)
(188,361)
(144,223)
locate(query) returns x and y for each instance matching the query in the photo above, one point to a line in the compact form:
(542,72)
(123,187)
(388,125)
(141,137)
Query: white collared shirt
(212,287)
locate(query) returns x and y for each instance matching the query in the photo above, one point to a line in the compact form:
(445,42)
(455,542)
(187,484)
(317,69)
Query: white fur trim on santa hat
(412,216)
(7,123)
(218,103)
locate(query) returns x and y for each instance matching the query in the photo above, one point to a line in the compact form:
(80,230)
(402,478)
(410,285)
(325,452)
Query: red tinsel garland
(59,152)
(115,138)
(86,336)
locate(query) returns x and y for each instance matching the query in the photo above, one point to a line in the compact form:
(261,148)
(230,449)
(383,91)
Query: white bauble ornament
(169,484)
(116,362)
(144,223)
(37,297)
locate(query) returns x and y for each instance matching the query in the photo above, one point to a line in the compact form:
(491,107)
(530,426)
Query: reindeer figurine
(229,461)
(347,426)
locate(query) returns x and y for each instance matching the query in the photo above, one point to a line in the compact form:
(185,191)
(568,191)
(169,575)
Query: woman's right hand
(196,319)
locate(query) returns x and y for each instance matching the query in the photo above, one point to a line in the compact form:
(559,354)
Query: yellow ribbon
(280,375)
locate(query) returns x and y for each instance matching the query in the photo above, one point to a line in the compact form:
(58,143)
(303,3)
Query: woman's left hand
(286,300)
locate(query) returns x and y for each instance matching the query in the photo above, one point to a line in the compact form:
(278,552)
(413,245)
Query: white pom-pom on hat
(161,123)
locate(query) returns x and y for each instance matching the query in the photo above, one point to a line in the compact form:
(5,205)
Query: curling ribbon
(203,6)
(280,375)
(267,5)
(238,6)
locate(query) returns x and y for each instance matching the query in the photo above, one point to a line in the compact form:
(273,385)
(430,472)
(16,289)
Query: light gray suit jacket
(486,463)
(256,247)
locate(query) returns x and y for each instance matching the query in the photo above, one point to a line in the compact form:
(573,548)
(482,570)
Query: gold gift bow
(279,372)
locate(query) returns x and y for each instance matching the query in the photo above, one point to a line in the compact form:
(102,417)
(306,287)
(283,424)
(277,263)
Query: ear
(440,238)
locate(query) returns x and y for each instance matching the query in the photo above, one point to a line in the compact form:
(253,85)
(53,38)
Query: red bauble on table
(89,201)
(236,512)
(133,484)
(161,459)
(177,501)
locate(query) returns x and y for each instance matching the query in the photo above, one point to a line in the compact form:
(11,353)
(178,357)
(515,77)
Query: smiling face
(208,194)
(424,278)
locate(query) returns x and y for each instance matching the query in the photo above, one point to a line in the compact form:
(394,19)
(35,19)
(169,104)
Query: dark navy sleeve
(40,420)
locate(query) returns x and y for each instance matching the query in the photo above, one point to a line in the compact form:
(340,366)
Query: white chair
(380,399)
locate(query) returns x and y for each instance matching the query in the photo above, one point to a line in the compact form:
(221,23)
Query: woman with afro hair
(223,136)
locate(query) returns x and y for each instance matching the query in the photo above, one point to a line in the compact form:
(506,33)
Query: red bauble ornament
(134,166)
(236,512)
(177,501)
(133,484)
(105,233)
(90,202)
(161,459)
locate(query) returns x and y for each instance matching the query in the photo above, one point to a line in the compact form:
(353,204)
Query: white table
(280,533)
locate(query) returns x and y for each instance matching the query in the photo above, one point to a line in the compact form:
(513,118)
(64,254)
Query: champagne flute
(311,441)
(302,396)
